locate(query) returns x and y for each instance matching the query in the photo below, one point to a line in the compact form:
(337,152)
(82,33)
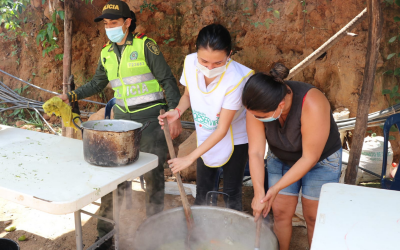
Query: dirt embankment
(263,32)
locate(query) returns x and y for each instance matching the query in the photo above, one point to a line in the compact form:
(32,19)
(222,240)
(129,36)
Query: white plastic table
(357,218)
(48,173)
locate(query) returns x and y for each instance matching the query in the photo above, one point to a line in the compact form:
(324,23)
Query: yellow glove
(59,108)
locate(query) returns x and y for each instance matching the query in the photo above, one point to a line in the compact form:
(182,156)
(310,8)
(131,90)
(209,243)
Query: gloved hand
(57,106)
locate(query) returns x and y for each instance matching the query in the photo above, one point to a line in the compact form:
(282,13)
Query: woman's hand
(64,97)
(269,199)
(257,206)
(175,128)
(179,164)
(171,116)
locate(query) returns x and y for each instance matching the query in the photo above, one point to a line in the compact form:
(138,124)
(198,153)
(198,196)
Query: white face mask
(211,73)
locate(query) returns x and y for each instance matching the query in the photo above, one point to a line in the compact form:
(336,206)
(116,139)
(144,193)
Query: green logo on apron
(134,55)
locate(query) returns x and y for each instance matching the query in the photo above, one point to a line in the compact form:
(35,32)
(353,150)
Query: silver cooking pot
(212,223)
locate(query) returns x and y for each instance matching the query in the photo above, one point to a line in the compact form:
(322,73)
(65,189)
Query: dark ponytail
(215,37)
(263,92)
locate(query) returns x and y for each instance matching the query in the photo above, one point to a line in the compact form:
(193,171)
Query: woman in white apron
(214,85)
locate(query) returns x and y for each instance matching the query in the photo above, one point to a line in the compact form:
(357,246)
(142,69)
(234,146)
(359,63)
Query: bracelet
(179,112)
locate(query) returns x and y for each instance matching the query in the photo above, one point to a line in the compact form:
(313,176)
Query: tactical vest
(130,77)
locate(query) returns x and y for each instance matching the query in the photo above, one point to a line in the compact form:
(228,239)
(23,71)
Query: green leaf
(369,131)
(276,14)
(54,16)
(395,88)
(56,30)
(268,22)
(397,2)
(373,134)
(43,1)
(61,14)
(270,9)
(397,72)
(392,138)
(393,129)
(386,91)
(391,40)
(49,31)
(391,55)
(396,19)
(388,72)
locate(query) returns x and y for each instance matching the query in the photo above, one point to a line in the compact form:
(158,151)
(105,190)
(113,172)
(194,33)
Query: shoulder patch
(153,47)
(105,45)
(140,35)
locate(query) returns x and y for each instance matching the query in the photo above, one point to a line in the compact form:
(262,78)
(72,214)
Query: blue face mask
(115,34)
(270,119)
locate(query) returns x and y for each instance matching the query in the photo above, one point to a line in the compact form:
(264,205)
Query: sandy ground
(54,232)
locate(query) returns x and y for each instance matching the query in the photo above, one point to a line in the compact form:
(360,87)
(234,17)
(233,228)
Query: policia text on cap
(138,73)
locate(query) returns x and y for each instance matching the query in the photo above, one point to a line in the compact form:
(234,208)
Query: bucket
(7,244)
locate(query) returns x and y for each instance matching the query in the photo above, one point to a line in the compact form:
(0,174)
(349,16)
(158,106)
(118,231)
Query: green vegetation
(169,40)
(148,6)
(48,35)
(11,15)
(392,95)
(268,22)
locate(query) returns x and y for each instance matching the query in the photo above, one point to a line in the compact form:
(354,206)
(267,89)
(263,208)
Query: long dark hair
(263,92)
(215,37)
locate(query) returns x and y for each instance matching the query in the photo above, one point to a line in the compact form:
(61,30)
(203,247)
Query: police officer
(138,73)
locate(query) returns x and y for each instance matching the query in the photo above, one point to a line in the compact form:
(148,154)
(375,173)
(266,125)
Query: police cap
(115,9)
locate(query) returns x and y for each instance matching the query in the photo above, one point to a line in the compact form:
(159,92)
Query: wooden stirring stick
(185,202)
(258,232)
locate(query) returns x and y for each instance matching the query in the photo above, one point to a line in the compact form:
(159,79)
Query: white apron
(206,107)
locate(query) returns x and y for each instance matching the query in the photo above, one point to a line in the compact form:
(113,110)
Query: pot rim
(13,241)
(211,208)
(105,128)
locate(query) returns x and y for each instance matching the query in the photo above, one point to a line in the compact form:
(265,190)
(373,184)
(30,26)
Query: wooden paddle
(185,202)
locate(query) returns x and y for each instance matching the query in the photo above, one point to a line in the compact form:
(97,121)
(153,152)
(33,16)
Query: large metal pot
(111,143)
(211,224)
(7,244)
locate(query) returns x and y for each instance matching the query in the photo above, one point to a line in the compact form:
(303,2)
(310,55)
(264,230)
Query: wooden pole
(375,22)
(328,44)
(185,202)
(68,132)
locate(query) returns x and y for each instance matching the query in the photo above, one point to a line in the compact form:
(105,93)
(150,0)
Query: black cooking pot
(111,143)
